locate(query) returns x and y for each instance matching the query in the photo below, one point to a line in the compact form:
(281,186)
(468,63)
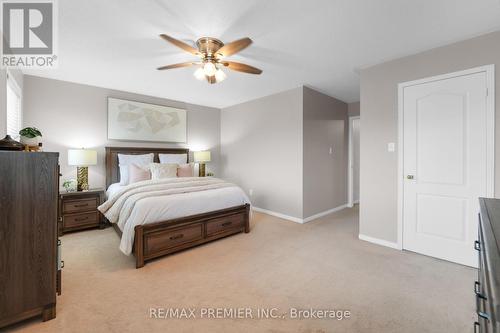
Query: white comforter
(160,200)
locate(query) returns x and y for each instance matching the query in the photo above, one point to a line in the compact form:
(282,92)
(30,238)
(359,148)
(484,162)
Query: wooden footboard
(162,238)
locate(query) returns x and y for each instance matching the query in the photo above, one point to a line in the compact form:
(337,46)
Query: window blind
(14,112)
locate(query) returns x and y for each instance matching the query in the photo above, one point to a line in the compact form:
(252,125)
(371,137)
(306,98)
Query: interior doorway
(353,186)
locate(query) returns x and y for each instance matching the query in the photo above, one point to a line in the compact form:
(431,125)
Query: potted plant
(30,136)
(69,185)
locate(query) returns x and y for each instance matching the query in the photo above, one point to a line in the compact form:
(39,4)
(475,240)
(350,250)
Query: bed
(228,215)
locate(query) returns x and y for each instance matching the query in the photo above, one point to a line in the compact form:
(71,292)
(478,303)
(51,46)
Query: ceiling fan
(212,53)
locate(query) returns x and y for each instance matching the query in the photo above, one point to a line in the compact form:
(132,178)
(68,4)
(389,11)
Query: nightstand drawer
(83,205)
(79,220)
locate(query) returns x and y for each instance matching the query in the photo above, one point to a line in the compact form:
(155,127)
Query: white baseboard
(379,242)
(281,216)
(326,212)
(297,219)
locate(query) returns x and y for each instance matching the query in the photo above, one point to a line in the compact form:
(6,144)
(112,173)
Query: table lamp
(202,157)
(82,158)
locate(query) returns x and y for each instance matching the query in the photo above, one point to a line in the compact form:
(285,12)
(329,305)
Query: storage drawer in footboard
(164,240)
(225,224)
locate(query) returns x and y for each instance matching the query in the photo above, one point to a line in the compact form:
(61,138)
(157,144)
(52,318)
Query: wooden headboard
(112,169)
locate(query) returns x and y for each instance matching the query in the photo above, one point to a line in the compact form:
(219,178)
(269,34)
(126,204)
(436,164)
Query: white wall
(262,150)
(378,211)
(72,115)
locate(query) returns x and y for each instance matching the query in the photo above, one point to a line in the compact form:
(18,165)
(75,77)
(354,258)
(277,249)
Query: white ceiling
(319,43)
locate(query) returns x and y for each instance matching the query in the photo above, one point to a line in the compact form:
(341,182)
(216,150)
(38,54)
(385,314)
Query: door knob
(409,177)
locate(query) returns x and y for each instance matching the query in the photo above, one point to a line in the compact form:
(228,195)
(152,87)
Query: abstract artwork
(135,121)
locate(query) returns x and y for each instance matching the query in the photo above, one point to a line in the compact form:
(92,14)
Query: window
(14,110)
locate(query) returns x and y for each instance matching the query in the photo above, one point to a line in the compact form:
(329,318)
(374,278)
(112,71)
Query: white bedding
(161,207)
(113,189)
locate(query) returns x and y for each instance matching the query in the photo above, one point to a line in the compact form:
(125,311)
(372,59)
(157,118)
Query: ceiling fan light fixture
(220,75)
(199,74)
(209,68)
(211,51)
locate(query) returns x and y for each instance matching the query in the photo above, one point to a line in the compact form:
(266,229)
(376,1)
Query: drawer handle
(62,264)
(477,245)
(476,290)
(179,236)
(476,327)
(483,315)
(225,224)
(82,205)
(82,219)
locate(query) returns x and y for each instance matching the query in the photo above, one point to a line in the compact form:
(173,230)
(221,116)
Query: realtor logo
(28,33)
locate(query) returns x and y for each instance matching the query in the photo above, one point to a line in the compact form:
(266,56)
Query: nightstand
(78,210)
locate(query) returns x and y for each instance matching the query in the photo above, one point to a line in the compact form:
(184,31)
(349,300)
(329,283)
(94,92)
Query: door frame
(350,174)
(490,133)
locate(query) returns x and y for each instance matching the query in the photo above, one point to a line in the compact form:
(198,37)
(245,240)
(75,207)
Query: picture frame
(139,121)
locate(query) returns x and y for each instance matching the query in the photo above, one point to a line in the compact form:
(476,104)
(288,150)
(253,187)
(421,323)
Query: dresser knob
(483,315)
(477,291)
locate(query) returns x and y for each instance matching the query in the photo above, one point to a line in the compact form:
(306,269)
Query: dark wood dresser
(29,265)
(487,287)
(78,210)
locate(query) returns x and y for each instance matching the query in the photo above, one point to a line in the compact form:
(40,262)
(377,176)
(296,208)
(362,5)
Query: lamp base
(201,172)
(82,178)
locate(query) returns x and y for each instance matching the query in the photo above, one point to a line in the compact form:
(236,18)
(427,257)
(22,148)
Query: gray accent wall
(262,150)
(72,115)
(325,126)
(353,109)
(379,103)
(277,147)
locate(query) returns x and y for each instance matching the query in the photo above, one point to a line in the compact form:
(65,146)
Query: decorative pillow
(124,160)
(138,173)
(185,170)
(163,170)
(173,158)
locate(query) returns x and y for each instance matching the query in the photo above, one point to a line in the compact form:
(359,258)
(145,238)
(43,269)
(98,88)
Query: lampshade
(82,157)
(202,156)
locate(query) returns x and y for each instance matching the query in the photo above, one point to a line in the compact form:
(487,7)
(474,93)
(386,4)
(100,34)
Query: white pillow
(125,160)
(163,170)
(173,158)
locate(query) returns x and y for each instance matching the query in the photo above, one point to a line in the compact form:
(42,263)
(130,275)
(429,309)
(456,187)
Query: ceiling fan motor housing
(209,46)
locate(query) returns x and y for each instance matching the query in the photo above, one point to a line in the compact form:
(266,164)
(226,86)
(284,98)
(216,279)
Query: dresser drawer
(79,220)
(83,205)
(225,224)
(168,239)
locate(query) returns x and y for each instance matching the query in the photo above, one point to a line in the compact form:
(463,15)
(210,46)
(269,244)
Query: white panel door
(444,165)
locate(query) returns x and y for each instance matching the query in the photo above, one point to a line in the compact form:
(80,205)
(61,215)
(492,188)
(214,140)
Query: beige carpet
(279,264)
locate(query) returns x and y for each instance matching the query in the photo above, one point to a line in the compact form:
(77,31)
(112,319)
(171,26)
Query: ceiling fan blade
(234,47)
(182,64)
(236,66)
(180,44)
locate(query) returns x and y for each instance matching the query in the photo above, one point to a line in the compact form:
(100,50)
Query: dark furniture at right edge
(487,287)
